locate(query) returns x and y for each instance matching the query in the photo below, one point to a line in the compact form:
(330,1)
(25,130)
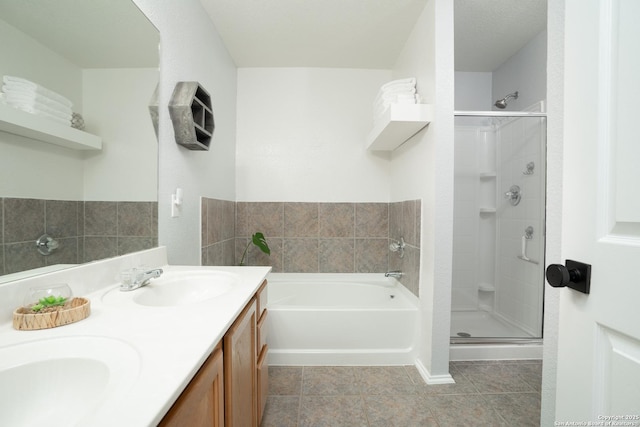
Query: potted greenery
(258,240)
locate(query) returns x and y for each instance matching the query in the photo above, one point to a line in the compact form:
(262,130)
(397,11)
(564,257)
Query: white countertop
(172,343)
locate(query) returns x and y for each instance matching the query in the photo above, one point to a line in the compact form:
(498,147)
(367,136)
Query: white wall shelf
(486,287)
(31,126)
(399,123)
(487,175)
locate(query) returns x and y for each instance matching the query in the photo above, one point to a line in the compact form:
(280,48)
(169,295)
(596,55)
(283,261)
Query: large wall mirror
(103,56)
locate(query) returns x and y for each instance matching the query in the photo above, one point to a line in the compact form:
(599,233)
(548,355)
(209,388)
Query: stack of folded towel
(401,91)
(28,96)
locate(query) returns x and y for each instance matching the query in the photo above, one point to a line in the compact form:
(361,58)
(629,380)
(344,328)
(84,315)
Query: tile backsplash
(85,231)
(314,237)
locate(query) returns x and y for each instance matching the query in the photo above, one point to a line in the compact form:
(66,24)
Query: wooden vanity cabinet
(230,391)
(202,402)
(240,371)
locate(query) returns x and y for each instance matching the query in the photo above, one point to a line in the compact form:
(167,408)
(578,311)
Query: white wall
(301,135)
(524,72)
(116,108)
(473,91)
(192,50)
(422,168)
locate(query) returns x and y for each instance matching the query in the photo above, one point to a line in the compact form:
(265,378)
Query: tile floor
(486,393)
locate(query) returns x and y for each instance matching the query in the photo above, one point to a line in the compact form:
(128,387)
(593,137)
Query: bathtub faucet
(394,273)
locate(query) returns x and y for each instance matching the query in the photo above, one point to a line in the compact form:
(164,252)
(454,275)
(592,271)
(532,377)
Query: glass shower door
(498,266)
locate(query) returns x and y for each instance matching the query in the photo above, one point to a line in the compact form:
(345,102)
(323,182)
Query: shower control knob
(575,275)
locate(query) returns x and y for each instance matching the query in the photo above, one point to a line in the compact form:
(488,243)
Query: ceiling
(281,33)
(91,34)
(488,32)
(366,33)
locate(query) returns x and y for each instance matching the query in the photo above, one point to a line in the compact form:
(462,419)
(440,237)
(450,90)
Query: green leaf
(260,241)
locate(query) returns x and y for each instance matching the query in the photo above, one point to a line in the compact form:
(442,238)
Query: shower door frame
(514,340)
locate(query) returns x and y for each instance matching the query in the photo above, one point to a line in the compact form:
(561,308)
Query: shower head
(501,103)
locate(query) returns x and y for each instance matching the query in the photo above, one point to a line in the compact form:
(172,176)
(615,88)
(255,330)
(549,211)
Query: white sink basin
(62,381)
(176,288)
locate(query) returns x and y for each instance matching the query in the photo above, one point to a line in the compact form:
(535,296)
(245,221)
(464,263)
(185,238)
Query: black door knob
(575,275)
(559,276)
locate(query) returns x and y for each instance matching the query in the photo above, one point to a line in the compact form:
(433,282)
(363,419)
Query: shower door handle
(576,275)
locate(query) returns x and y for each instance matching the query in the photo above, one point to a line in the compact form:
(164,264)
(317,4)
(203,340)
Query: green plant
(50,301)
(258,240)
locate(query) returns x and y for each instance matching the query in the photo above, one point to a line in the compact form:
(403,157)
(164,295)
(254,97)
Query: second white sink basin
(61,381)
(177,288)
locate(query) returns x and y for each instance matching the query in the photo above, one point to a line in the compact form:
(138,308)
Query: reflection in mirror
(103,56)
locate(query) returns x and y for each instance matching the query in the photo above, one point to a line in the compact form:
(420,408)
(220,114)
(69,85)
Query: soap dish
(25,319)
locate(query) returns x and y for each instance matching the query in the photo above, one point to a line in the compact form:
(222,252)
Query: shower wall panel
(474,216)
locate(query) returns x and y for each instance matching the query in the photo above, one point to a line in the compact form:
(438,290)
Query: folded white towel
(409,80)
(37,100)
(394,97)
(27,103)
(17,83)
(397,88)
(36,112)
(391,96)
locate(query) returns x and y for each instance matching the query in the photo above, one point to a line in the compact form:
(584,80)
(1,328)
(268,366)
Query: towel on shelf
(20,102)
(37,112)
(36,101)
(400,91)
(13,83)
(411,81)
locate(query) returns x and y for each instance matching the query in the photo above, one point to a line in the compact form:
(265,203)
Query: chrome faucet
(137,278)
(394,273)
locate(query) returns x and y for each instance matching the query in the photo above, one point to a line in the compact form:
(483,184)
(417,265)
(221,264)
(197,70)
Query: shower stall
(499,227)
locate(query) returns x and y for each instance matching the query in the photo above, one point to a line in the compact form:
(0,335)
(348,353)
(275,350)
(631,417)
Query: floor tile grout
(485,392)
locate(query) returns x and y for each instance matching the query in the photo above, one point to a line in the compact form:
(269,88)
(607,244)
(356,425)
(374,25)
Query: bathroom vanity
(178,351)
(230,388)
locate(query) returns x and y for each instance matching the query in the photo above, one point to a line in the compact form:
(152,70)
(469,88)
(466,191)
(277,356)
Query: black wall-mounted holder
(576,275)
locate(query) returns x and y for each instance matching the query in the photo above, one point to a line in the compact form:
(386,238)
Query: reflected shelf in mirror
(111,85)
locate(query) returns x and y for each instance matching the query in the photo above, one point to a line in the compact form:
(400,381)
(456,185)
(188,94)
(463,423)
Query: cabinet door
(202,402)
(240,387)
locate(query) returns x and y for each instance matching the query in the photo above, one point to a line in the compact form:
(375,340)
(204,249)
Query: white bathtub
(340,319)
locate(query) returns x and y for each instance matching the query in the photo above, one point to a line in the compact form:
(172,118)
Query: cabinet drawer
(263,382)
(261,298)
(263,330)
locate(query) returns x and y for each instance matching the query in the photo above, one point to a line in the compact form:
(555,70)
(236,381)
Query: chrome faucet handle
(398,246)
(138,277)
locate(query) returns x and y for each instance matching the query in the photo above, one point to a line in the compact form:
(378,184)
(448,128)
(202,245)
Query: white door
(599,337)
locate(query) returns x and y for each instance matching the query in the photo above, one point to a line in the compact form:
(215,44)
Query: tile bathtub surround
(218,232)
(86,231)
(309,237)
(318,237)
(404,221)
(488,393)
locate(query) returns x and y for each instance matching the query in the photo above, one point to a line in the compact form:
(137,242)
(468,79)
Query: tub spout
(394,273)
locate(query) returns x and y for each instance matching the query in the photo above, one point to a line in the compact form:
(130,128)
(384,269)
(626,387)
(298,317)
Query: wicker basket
(25,320)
